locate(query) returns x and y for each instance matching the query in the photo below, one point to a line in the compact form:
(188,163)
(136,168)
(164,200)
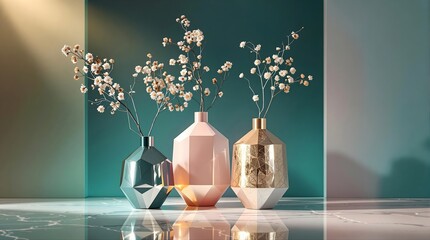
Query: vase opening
(147,141)
(258,123)
(200,117)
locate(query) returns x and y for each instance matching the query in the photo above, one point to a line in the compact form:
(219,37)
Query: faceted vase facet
(147,176)
(259,175)
(201,163)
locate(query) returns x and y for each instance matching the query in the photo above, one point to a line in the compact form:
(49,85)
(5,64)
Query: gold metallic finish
(258,123)
(259,167)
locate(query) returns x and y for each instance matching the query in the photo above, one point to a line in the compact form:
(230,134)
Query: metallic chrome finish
(147,176)
(147,141)
(147,225)
(259,168)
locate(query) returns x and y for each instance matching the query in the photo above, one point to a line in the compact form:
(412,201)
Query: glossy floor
(293,218)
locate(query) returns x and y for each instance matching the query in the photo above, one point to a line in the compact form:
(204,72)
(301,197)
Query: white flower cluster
(162,87)
(191,69)
(275,72)
(98,70)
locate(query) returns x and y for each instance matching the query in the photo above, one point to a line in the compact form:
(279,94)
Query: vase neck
(200,117)
(147,141)
(258,123)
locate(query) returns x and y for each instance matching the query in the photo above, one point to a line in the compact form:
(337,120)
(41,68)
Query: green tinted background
(127,30)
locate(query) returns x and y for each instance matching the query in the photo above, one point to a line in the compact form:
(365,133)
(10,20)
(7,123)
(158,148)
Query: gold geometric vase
(259,175)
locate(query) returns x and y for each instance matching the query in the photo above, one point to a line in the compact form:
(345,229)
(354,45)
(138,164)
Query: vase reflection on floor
(147,176)
(147,225)
(252,225)
(197,223)
(259,175)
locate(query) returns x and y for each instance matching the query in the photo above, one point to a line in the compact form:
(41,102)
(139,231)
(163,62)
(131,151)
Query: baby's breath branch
(253,92)
(96,65)
(154,119)
(271,72)
(218,90)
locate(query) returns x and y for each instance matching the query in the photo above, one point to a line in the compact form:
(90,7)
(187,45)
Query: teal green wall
(127,30)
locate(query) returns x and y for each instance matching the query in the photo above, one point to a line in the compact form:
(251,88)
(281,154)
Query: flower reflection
(198,224)
(147,225)
(253,225)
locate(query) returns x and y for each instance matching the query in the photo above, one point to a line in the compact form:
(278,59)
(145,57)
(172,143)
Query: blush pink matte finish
(201,166)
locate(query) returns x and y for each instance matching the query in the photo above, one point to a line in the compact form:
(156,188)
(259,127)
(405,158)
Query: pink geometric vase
(201,165)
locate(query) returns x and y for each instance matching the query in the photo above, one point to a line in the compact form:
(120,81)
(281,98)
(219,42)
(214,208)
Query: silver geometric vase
(147,176)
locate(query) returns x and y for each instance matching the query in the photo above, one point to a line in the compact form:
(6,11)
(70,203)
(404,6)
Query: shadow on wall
(409,177)
(347,178)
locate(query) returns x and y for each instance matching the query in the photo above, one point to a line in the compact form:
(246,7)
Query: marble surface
(293,218)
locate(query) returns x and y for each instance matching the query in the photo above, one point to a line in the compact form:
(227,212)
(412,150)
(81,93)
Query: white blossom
(207,92)
(310,77)
(146,70)
(111,92)
(121,96)
(283,73)
(272,88)
(257,62)
(83,89)
(183,59)
(138,68)
(255,98)
(85,69)
(292,70)
(106,66)
(183,72)
(281,86)
(108,80)
(257,48)
(220,94)
(98,80)
(241,75)
(196,87)
(253,70)
(89,57)
(188,96)
(172,62)
(74,59)
(101,109)
(242,44)
(153,95)
(267,75)
(66,50)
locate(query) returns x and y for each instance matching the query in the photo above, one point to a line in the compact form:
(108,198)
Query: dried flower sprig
(112,95)
(275,72)
(192,72)
(162,87)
